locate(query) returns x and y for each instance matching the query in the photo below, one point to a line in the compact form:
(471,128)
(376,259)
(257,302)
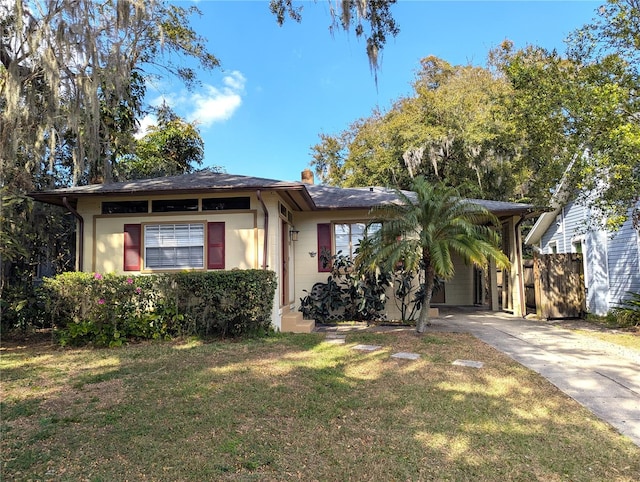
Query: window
(125,207)
(173,246)
(225,203)
(553,247)
(285,213)
(578,246)
(173,205)
(348,236)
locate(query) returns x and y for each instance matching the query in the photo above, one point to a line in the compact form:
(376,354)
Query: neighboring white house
(611,259)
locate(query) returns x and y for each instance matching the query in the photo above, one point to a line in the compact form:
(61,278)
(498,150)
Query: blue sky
(280,87)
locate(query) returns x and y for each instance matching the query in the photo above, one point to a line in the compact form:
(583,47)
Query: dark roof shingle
(305,196)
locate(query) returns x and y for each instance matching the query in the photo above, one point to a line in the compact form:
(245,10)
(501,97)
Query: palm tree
(424,229)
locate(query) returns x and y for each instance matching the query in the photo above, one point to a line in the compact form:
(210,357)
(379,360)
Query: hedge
(108,309)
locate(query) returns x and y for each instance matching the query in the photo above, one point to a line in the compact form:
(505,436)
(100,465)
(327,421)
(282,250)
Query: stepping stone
(335,336)
(335,341)
(367,347)
(406,355)
(468,363)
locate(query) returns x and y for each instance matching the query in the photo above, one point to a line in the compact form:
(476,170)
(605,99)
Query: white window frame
(583,251)
(578,240)
(351,235)
(174,246)
(553,247)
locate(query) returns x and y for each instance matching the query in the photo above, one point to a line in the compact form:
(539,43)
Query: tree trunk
(423,319)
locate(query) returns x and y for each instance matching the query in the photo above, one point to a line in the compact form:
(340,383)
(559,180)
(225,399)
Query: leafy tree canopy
(511,131)
(169,148)
(74,73)
(579,119)
(455,129)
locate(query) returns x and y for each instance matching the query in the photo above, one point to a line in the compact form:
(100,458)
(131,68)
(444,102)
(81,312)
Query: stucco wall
(104,234)
(458,291)
(244,243)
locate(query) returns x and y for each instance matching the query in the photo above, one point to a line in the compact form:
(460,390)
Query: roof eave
(303,201)
(540,227)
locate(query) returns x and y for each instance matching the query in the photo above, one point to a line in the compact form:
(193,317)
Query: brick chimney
(307,176)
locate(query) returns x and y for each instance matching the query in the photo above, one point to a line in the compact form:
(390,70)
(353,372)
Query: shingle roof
(197,182)
(501,208)
(330,197)
(303,196)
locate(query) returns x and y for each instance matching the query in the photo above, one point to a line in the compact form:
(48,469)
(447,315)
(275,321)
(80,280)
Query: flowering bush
(103,309)
(109,309)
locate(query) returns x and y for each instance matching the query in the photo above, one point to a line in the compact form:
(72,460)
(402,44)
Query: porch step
(292,322)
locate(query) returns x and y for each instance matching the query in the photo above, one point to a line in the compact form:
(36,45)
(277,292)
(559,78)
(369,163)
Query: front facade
(210,221)
(611,261)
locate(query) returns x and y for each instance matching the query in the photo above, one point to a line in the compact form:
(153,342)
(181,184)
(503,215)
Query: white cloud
(214,104)
(206,106)
(235,80)
(148,120)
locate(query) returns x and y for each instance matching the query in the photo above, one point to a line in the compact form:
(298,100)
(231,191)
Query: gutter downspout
(75,213)
(265,245)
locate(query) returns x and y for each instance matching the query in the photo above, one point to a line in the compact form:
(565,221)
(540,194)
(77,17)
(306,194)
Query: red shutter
(132,247)
(324,244)
(215,245)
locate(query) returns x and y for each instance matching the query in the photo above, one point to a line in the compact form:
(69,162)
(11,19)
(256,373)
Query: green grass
(291,407)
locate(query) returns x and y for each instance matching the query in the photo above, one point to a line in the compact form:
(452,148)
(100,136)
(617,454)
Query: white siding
(623,263)
(596,272)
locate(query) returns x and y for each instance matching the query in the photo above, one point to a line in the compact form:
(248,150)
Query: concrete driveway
(603,377)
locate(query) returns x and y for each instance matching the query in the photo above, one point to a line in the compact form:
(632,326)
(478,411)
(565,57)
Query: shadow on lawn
(293,406)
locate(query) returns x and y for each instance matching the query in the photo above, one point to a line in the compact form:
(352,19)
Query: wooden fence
(558,281)
(529,285)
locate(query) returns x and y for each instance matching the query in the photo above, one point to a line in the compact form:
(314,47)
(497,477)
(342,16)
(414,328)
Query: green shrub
(348,294)
(108,310)
(22,307)
(105,310)
(225,303)
(627,313)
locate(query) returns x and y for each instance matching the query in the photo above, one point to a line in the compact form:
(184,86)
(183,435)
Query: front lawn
(293,407)
(628,339)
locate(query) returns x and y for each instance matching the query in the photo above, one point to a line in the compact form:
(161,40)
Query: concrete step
(293,322)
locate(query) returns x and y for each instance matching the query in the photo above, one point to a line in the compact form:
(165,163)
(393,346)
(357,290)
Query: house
(210,221)
(611,260)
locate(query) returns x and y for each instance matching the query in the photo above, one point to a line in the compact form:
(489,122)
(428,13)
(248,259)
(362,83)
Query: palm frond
(432,225)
